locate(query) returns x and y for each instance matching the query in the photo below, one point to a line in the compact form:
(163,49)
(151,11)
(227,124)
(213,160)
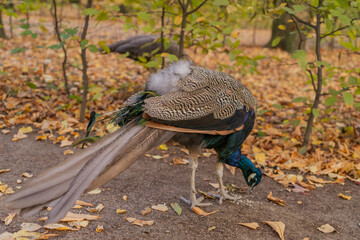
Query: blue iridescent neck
(236,159)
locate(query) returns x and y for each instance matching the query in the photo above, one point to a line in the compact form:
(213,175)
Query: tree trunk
(290,37)
(2,29)
(84,68)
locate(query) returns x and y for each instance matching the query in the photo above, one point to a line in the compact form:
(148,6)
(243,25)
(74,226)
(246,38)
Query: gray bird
(143,46)
(195,106)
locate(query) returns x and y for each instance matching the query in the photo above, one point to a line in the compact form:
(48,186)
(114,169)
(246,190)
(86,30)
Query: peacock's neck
(238,160)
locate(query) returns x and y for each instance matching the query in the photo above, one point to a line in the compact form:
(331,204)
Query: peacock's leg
(193,200)
(223,194)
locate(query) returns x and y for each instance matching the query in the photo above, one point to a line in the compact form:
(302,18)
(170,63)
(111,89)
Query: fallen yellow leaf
(279,227)
(326,228)
(276,200)
(201,212)
(59,226)
(100,228)
(344,196)
(252,225)
(9,218)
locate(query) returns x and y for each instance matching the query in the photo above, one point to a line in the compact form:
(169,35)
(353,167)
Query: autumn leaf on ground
(139,222)
(59,226)
(20,135)
(66,142)
(78,217)
(5,131)
(121,211)
(4,170)
(125,198)
(68,152)
(252,225)
(231,169)
(146,211)
(326,228)
(95,191)
(276,200)
(79,224)
(344,196)
(42,137)
(30,227)
(201,212)
(9,218)
(179,161)
(211,228)
(100,228)
(279,227)
(82,203)
(176,207)
(23,234)
(27,175)
(207,154)
(160,207)
(163,147)
(26,130)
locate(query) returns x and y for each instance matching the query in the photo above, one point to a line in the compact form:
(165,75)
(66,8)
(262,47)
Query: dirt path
(150,181)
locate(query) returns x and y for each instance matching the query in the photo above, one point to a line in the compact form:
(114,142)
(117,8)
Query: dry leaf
(5,131)
(163,147)
(70,217)
(66,142)
(18,136)
(42,137)
(279,227)
(276,200)
(95,191)
(231,169)
(100,228)
(22,234)
(82,203)
(146,211)
(59,226)
(99,207)
(30,227)
(26,130)
(160,207)
(252,225)
(9,218)
(139,222)
(125,198)
(179,161)
(4,170)
(27,175)
(326,228)
(344,196)
(121,211)
(68,152)
(201,212)
(207,154)
(211,228)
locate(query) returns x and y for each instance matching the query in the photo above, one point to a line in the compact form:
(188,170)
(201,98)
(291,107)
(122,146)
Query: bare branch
(340,28)
(298,30)
(197,8)
(312,79)
(303,22)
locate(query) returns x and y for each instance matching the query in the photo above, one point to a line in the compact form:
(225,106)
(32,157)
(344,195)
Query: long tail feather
(61,186)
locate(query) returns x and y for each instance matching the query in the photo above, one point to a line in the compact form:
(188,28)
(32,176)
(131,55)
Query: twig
(197,8)
(312,79)
(340,28)
(298,30)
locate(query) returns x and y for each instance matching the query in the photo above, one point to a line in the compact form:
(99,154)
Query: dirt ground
(150,181)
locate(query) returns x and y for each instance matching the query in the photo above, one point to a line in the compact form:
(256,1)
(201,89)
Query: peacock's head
(252,176)
(251,173)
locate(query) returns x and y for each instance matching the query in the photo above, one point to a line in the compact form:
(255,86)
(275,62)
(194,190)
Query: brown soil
(149,182)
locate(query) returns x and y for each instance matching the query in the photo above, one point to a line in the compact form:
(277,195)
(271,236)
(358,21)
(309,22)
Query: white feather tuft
(165,81)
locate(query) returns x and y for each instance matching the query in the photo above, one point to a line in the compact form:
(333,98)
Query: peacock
(143,46)
(194,106)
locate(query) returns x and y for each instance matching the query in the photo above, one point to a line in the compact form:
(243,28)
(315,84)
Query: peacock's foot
(224,196)
(196,202)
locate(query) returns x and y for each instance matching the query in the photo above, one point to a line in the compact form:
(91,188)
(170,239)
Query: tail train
(60,186)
